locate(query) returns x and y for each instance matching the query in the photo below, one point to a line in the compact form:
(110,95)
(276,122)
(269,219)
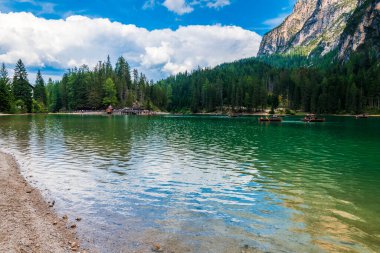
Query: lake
(206,183)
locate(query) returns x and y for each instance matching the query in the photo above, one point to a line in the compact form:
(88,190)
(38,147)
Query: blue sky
(255,15)
(158,37)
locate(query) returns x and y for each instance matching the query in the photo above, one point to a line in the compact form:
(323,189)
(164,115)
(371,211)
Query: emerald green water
(206,184)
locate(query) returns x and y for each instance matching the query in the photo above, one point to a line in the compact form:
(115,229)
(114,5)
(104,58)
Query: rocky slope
(316,27)
(278,40)
(363,30)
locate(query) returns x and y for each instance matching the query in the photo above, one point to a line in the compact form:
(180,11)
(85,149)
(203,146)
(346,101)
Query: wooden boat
(313,118)
(273,118)
(361,116)
(109,109)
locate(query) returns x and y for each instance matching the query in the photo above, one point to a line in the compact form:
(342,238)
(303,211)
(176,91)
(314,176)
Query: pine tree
(40,89)
(22,90)
(109,70)
(123,80)
(6,97)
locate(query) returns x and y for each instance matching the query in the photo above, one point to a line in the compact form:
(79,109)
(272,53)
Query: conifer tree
(123,79)
(6,97)
(22,90)
(40,89)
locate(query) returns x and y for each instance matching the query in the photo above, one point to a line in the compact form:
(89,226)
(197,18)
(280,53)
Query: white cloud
(274,22)
(77,40)
(149,4)
(218,3)
(178,6)
(46,7)
(182,7)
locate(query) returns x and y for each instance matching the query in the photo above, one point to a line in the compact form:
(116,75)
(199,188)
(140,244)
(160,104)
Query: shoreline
(302,114)
(28,223)
(267,114)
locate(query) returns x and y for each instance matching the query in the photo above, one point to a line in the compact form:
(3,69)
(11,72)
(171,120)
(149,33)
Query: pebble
(74,246)
(157,248)
(65,217)
(78,219)
(55,223)
(73,226)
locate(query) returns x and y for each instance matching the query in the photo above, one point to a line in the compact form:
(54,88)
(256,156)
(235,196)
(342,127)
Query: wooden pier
(134,111)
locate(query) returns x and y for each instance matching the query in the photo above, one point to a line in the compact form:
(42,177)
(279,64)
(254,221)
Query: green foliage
(54,96)
(38,107)
(123,81)
(289,112)
(85,89)
(20,106)
(40,90)
(6,96)
(22,90)
(291,82)
(109,93)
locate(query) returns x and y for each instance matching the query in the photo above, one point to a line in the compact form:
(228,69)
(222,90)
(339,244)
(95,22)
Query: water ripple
(206,184)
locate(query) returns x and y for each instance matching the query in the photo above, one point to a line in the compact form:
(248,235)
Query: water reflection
(206,184)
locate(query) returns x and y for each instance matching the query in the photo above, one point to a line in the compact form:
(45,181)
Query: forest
(79,89)
(292,83)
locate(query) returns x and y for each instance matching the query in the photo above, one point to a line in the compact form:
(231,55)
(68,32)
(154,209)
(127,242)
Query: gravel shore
(28,223)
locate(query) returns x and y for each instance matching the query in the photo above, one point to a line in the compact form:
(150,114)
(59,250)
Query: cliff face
(277,41)
(363,29)
(317,27)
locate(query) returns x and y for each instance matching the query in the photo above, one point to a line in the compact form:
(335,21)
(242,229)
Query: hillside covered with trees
(250,85)
(292,82)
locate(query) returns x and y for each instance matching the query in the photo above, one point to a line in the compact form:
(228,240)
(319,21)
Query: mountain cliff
(362,30)
(317,27)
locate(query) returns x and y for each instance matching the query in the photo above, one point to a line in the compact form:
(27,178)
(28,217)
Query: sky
(158,37)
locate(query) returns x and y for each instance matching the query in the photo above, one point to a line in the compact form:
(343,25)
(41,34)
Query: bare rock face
(277,40)
(363,29)
(314,27)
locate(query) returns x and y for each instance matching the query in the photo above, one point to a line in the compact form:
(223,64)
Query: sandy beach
(28,223)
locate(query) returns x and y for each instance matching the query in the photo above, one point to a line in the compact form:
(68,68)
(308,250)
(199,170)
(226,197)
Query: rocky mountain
(362,30)
(316,27)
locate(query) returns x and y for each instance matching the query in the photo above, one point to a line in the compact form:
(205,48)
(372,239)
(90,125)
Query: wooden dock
(134,111)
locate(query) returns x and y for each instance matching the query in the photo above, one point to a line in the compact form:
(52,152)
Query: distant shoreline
(267,114)
(200,114)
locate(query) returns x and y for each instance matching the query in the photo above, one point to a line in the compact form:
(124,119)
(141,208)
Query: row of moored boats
(307,118)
